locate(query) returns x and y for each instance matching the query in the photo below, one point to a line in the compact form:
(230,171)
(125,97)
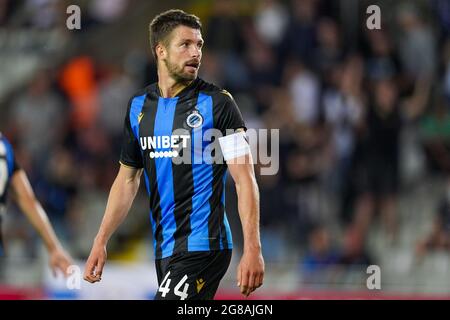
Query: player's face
(184,53)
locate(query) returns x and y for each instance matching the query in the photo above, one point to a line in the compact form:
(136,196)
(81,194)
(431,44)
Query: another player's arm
(121,196)
(23,195)
(250,273)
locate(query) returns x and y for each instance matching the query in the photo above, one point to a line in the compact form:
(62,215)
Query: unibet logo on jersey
(165,145)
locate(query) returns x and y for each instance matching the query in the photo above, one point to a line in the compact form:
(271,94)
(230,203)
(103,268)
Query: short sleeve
(130,154)
(229,115)
(12,164)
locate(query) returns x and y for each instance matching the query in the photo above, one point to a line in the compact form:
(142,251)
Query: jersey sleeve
(13,166)
(229,116)
(130,154)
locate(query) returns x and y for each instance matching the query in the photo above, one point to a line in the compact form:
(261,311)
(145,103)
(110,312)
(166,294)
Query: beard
(177,72)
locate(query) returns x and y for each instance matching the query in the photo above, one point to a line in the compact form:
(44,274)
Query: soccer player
(14,179)
(166,122)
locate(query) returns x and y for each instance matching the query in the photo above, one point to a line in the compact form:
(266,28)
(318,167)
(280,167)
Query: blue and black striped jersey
(8,166)
(187,198)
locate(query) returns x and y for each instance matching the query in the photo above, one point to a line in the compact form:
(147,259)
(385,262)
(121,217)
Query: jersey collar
(185,91)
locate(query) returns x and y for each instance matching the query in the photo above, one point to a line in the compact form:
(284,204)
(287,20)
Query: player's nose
(195,52)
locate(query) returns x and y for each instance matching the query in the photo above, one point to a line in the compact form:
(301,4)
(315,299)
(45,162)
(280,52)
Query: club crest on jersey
(194,120)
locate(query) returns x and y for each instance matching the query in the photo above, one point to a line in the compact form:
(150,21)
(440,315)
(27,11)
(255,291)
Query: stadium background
(364,127)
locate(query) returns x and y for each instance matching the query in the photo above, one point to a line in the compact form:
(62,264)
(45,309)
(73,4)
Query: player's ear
(161,51)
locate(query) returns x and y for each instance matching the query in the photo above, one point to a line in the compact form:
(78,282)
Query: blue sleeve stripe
(136,108)
(9,156)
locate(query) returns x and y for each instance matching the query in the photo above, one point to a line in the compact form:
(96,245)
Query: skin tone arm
(121,196)
(23,195)
(250,273)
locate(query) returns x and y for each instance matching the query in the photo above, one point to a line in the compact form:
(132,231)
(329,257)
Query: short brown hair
(163,24)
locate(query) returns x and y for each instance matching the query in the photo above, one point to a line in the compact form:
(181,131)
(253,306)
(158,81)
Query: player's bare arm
(121,196)
(23,195)
(250,273)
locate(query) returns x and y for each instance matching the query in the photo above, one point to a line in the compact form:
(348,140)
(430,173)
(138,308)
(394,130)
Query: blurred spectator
(222,29)
(416,43)
(57,186)
(446,63)
(442,11)
(44,14)
(343,105)
(382,61)
(107,11)
(78,80)
(4,11)
(304,164)
(115,88)
(304,89)
(439,237)
(435,135)
(260,59)
(212,68)
(7,10)
(38,112)
(377,162)
(354,252)
(329,50)
(300,36)
(271,21)
(320,254)
(224,39)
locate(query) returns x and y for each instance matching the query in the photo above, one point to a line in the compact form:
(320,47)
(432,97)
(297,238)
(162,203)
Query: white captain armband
(234,145)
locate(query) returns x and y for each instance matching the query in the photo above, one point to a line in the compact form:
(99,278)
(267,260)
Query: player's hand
(250,273)
(60,260)
(94,265)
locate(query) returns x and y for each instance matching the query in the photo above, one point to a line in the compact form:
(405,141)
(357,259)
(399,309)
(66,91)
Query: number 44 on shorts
(164,288)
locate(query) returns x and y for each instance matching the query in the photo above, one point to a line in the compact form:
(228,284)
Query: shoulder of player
(6,145)
(141,92)
(148,89)
(3,139)
(219,95)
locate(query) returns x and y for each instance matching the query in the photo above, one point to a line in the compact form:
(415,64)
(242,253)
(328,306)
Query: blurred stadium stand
(364,119)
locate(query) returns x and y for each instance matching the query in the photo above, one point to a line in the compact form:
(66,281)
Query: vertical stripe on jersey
(227,239)
(203,179)
(163,127)
(215,223)
(147,128)
(147,186)
(183,185)
(9,157)
(135,110)
(4,174)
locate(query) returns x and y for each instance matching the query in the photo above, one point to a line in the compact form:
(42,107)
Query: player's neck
(169,87)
